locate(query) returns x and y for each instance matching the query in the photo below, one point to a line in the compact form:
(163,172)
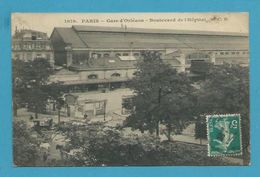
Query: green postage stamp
(224,135)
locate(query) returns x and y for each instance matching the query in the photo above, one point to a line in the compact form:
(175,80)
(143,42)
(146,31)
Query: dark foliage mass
(25,147)
(225,91)
(103,146)
(162,96)
(31,87)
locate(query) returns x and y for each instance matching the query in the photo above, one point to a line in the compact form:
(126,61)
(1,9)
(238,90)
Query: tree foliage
(226,91)
(107,146)
(18,85)
(24,146)
(31,85)
(162,95)
(201,128)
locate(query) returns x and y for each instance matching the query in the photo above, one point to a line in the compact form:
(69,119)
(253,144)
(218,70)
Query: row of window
(99,55)
(29,56)
(31,46)
(219,61)
(95,76)
(231,53)
(198,56)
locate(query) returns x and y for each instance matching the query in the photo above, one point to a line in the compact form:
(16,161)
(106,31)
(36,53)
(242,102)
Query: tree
(55,94)
(60,104)
(162,95)
(226,91)
(29,80)
(25,147)
(98,145)
(201,128)
(18,85)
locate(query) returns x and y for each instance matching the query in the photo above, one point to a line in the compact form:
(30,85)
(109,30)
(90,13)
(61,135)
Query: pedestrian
(85,116)
(44,157)
(61,153)
(31,118)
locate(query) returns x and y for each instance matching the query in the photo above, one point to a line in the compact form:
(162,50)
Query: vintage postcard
(130,89)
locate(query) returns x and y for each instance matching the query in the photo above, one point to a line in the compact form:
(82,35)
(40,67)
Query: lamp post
(105,104)
(158,121)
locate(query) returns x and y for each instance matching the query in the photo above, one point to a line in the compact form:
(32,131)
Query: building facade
(28,45)
(107,56)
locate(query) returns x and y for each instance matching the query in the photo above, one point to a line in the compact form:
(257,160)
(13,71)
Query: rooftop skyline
(219,22)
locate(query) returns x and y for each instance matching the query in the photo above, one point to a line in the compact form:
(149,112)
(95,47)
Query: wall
(219,57)
(64,77)
(125,73)
(31,55)
(58,48)
(83,75)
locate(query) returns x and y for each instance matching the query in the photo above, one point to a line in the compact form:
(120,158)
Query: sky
(223,22)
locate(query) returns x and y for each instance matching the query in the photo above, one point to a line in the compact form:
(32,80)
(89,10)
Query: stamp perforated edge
(240,130)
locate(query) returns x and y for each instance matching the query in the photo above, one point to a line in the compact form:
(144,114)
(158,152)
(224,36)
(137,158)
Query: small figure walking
(31,118)
(44,157)
(85,116)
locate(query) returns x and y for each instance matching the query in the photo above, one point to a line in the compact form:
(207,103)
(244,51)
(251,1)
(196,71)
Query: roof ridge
(94,38)
(81,28)
(69,36)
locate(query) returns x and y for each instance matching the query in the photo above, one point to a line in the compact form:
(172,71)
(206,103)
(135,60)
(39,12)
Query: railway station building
(105,57)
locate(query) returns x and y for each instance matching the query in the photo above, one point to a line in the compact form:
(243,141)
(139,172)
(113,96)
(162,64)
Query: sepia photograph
(130,89)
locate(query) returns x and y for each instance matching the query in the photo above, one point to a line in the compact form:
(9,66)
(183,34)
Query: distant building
(28,45)
(106,56)
(90,108)
(77,107)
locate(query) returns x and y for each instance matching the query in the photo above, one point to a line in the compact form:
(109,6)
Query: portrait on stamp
(130,89)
